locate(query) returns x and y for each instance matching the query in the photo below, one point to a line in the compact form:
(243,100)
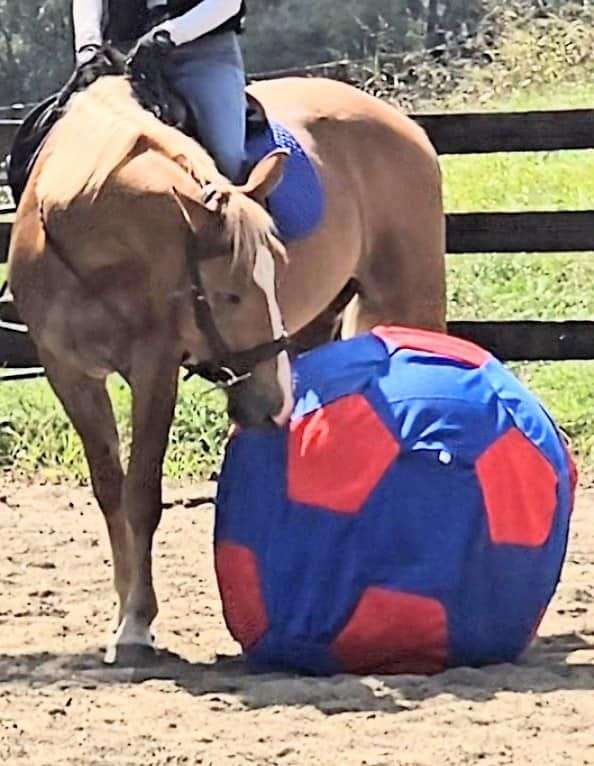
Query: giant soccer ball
(413,516)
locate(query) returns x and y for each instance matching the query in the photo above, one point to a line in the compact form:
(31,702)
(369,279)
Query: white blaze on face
(264,277)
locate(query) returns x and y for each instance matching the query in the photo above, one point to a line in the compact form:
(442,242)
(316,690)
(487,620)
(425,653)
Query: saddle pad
(297,204)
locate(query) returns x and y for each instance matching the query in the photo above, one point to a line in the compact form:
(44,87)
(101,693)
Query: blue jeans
(209,74)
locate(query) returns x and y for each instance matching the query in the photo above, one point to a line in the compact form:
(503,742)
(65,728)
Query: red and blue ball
(413,516)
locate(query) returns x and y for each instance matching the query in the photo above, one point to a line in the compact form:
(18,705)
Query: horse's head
(232,259)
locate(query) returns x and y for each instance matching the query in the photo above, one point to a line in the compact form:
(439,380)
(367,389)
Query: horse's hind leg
(153,379)
(404,283)
(402,278)
(88,406)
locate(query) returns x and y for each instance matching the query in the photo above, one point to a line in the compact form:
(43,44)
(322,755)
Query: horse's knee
(107,478)
(143,507)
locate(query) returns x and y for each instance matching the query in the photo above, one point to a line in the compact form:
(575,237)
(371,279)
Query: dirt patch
(200,705)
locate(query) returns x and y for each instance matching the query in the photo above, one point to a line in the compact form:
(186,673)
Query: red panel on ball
(239,583)
(394,632)
(338,454)
(434,343)
(519,487)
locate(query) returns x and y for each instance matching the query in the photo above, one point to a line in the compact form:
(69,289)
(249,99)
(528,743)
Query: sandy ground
(59,705)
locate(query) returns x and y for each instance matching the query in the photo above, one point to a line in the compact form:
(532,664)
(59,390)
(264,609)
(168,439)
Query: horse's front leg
(89,407)
(153,381)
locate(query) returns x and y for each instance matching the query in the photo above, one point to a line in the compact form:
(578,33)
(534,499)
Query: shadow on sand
(544,668)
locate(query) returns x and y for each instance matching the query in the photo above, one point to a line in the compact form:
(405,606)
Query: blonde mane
(103,128)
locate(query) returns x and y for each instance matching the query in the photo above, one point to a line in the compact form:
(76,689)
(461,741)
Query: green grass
(566,95)
(548,287)
(36,437)
(522,181)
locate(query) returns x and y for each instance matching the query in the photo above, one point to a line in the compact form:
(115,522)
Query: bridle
(225,368)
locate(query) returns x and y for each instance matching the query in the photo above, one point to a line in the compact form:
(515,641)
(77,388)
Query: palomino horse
(130,253)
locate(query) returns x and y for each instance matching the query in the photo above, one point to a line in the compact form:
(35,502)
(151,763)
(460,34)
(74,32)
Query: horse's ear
(205,224)
(196,211)
(266,175)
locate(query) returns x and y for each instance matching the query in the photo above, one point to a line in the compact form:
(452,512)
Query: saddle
(296,205)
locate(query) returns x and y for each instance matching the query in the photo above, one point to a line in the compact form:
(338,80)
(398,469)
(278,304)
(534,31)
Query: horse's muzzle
(252,405)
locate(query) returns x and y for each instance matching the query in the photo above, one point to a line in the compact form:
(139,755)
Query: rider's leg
(209,74)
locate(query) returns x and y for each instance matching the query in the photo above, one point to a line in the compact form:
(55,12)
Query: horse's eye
(226,299)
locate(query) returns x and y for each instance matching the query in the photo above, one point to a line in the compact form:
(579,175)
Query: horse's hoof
(131,655)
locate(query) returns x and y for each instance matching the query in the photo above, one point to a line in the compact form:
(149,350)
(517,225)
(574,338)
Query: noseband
(226,367)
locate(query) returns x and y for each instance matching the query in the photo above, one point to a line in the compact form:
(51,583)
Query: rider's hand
(91,62)
(145,71)
(148,49)
(87,53)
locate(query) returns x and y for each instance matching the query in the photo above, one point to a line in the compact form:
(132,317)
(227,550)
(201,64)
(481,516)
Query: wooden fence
(541,232)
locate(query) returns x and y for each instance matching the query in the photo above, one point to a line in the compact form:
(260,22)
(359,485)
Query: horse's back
(358,142)
(320,104)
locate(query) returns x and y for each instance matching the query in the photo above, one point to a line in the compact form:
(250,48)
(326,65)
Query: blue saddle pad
(297,204)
